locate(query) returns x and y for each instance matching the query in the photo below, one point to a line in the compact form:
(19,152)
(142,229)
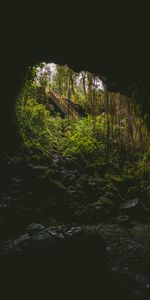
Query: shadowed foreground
(54,263)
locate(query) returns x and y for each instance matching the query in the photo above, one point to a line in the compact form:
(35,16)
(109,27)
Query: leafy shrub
(33,123)
(81,141)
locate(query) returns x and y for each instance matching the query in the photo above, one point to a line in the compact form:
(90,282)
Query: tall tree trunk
(72,82)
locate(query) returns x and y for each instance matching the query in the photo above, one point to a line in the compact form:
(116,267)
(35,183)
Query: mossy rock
(102,201)
(123,183)
(133,191)
(110,191)
(124,220)
(112,196)
(116,178)
(100,168)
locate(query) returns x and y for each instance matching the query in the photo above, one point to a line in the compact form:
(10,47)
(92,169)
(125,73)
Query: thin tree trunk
(108,124)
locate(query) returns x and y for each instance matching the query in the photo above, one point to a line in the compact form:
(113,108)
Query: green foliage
(33,121)
(143,164)
(80,139)
(97,140)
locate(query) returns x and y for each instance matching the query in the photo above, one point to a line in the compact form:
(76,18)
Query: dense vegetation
(111,132)
(94,162)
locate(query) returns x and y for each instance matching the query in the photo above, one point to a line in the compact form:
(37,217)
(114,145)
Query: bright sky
(50,69)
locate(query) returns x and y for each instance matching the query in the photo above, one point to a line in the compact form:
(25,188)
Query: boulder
(130,205)
(124,220)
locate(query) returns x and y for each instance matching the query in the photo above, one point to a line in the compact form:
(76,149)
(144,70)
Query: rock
(34,228)
(55,261)
(124,221)
(116,179)
(130,204)
(103,201)
(73,193)
(37,168)
(132,208)
(111,196)
(101,210)
(70,176)
(106,203)
(134,191)
(136,209)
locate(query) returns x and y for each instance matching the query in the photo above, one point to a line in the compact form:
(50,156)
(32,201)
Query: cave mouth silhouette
(115,76)
(72,94)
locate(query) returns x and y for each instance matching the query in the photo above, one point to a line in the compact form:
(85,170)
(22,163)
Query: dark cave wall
(11,79)
(110,42)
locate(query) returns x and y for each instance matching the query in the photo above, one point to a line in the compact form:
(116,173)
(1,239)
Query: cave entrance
(74,113)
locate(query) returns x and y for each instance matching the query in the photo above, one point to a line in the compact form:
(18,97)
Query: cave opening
(81,171)
(75,159)
(74,114)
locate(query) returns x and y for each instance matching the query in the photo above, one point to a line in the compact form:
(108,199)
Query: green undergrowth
(84,139)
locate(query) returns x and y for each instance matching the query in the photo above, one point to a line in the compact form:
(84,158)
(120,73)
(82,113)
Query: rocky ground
(45,205)
(129,255)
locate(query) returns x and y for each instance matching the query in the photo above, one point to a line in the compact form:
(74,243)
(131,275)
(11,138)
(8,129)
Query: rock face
(54,262)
